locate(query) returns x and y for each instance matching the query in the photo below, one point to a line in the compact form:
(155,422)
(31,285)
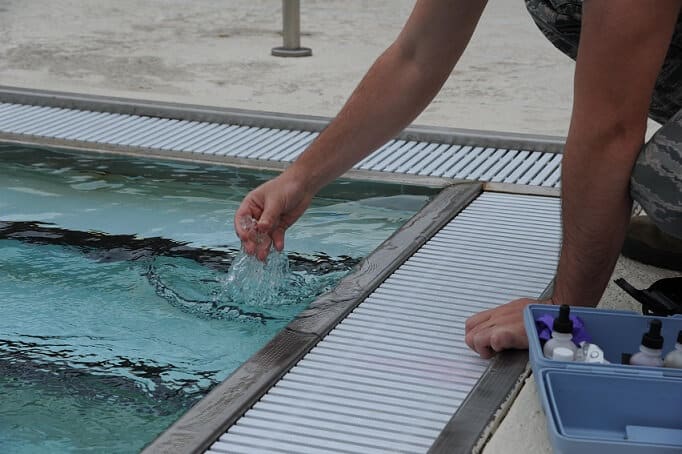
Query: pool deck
(204,53)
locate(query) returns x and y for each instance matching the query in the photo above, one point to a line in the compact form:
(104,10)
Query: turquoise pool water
(114,316)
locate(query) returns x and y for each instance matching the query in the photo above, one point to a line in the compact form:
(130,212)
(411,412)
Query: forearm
(388,98)
(399,85)
(596,209)
(622,46)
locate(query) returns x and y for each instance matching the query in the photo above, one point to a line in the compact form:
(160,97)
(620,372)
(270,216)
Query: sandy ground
(218,53)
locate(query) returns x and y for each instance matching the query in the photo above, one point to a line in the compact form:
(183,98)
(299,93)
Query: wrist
(560,297)
(306,180)
(297,180)
(552,300)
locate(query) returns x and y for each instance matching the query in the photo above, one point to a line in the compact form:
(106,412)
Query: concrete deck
(218,53)
(213,52)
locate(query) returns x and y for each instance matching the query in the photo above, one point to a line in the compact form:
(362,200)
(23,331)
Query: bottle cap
(562,354)
(653,338)
(563,323)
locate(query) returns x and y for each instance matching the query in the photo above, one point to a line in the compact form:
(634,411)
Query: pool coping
(505,370)
(242,117)
(271,166)
(474,422)
(198,428)
(259,119)
(250,164)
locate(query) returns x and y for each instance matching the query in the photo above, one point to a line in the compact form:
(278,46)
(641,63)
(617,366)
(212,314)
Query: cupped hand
(498,329)
(266,212)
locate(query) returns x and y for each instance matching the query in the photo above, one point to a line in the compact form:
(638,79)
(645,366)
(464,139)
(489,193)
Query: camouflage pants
(656,180)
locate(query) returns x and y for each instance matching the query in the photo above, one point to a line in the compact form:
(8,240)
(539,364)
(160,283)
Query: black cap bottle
(651,349)
(562,333)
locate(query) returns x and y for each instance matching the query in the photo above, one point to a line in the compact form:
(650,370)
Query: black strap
(662,298)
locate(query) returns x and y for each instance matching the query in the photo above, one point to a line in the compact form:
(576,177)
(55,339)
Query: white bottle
(563,354)
(651,349)
(674,358)
(562,333)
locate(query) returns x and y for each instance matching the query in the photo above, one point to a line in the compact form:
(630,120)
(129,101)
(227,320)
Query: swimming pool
(114,315)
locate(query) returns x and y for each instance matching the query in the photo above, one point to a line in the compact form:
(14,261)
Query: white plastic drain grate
(389,377)
(497,165)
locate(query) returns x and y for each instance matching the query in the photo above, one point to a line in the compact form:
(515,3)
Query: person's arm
(622,47)
(400,84)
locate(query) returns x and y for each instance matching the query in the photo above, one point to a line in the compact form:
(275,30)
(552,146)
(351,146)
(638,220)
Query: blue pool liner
(609,408)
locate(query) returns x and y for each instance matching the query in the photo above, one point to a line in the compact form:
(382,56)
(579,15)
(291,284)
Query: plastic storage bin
(609,408)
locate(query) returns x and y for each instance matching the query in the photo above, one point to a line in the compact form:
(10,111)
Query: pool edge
(310,123)
(200,426)
(472,425)
(19,95)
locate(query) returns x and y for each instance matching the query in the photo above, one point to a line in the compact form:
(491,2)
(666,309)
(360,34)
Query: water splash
(257,283)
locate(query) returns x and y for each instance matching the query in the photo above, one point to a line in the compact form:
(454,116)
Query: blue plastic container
(609,408)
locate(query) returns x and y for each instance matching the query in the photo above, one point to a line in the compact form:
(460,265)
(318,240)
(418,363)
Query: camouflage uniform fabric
(656,180)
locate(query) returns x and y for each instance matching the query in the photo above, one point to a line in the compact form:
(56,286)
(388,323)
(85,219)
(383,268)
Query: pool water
(114,314)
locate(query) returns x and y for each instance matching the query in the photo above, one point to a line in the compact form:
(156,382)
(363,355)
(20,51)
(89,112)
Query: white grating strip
(198,135)
(399,160)
(432,149)
(210,140)
(467,161)
(396,156)
(392,373)
(432,166)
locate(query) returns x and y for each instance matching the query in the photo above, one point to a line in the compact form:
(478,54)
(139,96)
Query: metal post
(291,31)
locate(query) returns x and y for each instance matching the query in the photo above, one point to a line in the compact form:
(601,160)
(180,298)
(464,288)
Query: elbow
(420,65)
(619,139)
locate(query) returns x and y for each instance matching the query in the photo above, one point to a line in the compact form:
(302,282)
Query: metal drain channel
(391,374)
(224,141)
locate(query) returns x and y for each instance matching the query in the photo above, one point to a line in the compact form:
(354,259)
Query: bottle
(674,358)
(562,354)
(562,333)
(651,349)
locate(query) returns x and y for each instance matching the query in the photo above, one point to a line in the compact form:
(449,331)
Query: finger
(247,210)
(262,252)
(269,219)
(249,247)
(482,344)
(469,338)
(239,230)
(278,238)
(256,242)
(513,308)
(477,319)
(250,243)
(479,338)
(508,336)
(263,243)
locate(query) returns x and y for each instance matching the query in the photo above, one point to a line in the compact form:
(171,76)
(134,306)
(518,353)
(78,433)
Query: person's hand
(266,213)
(498,329)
